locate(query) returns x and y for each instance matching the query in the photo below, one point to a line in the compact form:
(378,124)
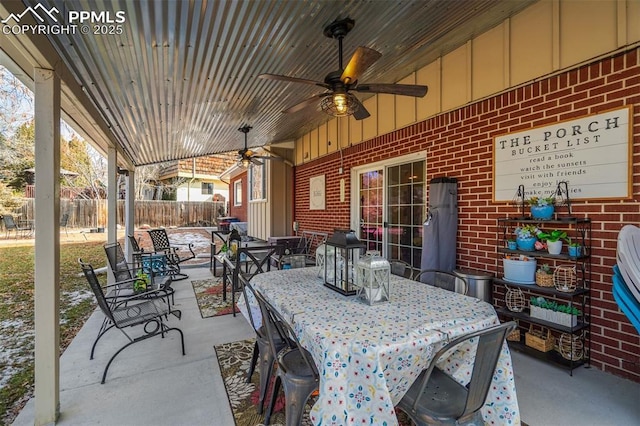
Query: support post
(112,200)
(129,212)
(47,247)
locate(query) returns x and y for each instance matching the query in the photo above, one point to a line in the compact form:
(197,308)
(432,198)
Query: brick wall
(239,211)
(459,144)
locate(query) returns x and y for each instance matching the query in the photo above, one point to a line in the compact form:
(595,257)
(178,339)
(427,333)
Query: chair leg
(296,398)
(272,403)
(266,368)
(254,361)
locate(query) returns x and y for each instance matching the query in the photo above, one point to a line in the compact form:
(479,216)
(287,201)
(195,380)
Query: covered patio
(152,384)
(162,81)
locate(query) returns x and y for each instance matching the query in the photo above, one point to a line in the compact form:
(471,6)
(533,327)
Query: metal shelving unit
(579,230)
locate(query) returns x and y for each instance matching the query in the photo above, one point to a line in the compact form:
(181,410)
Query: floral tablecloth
(368,356)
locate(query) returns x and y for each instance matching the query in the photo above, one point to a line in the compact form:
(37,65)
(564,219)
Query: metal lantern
(320,254)
(341,253)
(372,279)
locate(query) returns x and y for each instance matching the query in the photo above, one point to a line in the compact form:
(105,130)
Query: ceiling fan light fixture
(340,104)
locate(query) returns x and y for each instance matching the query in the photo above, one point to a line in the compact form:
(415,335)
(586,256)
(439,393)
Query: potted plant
(551,311)
(553,240)
(544,276)
(575,248)
(511,244)
(542,207)
(526,237)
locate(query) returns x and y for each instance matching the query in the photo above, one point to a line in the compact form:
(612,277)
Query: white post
(112,200)
(129,213)
(47,248)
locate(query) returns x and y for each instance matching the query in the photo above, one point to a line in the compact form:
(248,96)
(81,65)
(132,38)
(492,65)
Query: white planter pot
(554,247)
(552,316)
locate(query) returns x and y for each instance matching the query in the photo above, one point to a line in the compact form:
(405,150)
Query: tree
(8,202)
(17,154)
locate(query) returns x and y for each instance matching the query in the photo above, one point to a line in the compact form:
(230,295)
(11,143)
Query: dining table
(369,355)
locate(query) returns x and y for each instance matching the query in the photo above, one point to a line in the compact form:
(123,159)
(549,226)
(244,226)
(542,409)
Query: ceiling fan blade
(393,89)
(293,80)
(362,59)
(361,112)
(306,103)
(255,161)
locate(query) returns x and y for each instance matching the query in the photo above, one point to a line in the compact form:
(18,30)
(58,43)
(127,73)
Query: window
(257,182)
(207,188)
(237,193)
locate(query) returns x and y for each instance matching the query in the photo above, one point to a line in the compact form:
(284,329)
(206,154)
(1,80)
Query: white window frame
(237,193)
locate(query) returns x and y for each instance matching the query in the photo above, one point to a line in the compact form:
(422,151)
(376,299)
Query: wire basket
(514,336)
(570,346)
(543,279)
(514,299)
(564,278)
(537,339)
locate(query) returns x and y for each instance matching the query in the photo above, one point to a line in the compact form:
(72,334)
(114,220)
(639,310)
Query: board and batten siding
(543,39)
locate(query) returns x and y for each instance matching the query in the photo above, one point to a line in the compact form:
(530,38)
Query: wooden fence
(93,213)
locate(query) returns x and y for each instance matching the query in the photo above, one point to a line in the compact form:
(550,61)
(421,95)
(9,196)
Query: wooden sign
(316,193)
(592,154)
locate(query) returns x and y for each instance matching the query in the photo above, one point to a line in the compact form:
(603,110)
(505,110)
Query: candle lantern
(341,253)
(321,250)
(372,279)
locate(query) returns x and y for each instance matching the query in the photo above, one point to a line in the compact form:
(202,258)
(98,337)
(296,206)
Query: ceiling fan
(248,156)
(338,101)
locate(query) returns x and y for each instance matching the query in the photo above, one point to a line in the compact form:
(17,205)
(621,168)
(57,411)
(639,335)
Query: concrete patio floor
(151,383)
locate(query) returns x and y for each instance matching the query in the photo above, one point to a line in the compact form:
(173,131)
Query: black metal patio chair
(126,273)
(64,223)
(124,312)
(437,398)
(161,244)
(18,228)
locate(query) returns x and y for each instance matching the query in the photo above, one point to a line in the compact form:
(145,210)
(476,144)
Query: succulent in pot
(542,207)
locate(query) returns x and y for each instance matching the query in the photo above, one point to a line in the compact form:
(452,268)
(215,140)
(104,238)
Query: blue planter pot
(575,251)
(526,244)
(542,212)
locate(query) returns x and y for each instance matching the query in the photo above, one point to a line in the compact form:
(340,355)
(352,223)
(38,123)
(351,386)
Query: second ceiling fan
(338,101)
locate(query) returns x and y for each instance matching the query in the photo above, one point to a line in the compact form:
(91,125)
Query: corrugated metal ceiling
(182,77)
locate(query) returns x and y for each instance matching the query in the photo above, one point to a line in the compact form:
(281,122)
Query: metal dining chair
(402,268)
(263,355)
(437,398)
(296,371)
(443,279)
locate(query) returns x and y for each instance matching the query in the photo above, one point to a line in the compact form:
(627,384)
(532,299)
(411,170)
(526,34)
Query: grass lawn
(17,315)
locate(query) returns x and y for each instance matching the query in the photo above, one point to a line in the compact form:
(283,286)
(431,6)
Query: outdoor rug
(209,297)
(234,360)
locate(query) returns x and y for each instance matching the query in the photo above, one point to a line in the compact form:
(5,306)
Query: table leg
(224,281)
